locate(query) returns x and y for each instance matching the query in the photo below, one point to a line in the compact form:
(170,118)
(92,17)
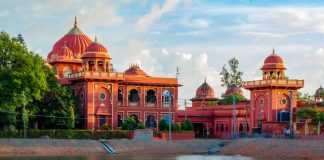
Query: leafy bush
(70,134)
(163,125)
(106,126)
(140,126)
(188,125)
(129,124)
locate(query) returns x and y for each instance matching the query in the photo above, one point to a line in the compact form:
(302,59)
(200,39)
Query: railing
(96,74)
(273,82)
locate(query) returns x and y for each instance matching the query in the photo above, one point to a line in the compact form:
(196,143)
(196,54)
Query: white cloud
(155,14)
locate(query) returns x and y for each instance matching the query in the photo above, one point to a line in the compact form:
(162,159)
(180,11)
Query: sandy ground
(50,147)
(254,147)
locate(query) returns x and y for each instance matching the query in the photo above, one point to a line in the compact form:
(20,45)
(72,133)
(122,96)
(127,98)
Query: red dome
(75,40)
(135,70)
(273,62)
(233,90)
(205,91)
(65,53)
(96,50)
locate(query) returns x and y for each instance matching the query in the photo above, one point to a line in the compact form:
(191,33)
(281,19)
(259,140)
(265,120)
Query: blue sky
(197,36)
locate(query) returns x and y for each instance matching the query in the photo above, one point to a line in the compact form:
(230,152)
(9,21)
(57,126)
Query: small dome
(273,62)
(135,70)
(64,53)
(233,90)
(205,91)
(75,40)
(319,91)
(96,50)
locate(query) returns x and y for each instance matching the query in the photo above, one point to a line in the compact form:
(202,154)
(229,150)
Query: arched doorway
(150,122)
(133,97)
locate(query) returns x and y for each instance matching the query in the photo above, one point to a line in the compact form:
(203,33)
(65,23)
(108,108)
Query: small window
(262,101)
(283,101)
(102,96)
(102,120)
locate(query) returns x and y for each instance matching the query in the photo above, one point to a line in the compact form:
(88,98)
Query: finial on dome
(273,51)
(96,40)
(205,79)
(75,22)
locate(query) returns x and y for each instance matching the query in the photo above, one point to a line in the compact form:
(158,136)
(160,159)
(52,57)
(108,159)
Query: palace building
(106,96)
(268,110)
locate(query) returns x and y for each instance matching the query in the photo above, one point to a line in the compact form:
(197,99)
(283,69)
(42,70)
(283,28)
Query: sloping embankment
(276,148)
(50,147)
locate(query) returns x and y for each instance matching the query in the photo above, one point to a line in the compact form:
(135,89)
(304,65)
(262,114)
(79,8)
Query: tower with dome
(270,97)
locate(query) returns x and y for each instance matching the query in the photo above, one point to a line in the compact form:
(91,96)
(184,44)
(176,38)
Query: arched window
(222,127)
(66,72)
(100,66)
(150,96)
(167,99)
(241,127)
(120,121)
(91,66)
(133,96)
(150,122)
(167,118)
(120,97)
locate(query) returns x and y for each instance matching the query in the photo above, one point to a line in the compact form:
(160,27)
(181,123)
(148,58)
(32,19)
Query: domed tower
(232,89)
(205,94)
(273,67)
(273,98)
(96,58)
(135,70)
(319,94)
(65,56)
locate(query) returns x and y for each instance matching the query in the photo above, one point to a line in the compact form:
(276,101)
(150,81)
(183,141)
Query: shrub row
(69,134)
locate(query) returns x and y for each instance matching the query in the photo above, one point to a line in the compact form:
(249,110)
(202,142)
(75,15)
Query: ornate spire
(75,22)
(96,39)
(205,79)
(273,51)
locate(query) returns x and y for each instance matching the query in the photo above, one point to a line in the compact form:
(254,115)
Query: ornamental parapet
(95,74)
(274,82)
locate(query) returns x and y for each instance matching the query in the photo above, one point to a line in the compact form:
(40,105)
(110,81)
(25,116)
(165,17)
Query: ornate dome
(319,91)
(273,62)
(135,70)
(64,53)
(96,50)
(205,91)
(233,90)
(75,40)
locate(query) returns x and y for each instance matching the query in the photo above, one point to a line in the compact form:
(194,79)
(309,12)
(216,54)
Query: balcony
(274,82)
(99,75)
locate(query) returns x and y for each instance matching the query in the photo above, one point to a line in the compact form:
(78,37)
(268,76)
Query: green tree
(20,70)
(311,113)
(129,123)
(231,76)
(187,125)
(229,99)
(163,125)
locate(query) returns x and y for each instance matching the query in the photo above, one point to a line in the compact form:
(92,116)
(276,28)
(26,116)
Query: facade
(106,96)
(273,98)
(268,111)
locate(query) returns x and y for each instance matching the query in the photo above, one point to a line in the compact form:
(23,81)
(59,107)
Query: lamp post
(291,114)
(170,123)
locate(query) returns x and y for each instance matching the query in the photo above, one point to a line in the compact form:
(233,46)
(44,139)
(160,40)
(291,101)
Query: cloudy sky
(197,36)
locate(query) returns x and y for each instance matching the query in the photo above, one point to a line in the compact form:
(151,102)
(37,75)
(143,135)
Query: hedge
(69,134)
